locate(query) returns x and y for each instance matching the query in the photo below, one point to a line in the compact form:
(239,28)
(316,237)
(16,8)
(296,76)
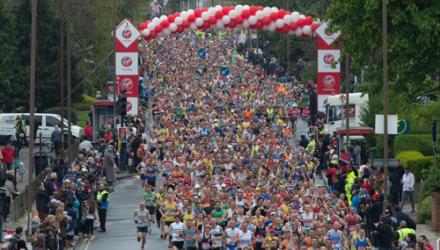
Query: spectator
(408,182)
(88,131)
(8,154)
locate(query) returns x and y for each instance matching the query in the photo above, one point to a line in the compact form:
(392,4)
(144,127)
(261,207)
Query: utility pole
(347,101)
(69,82)
(62,27)
(385,99)
(114,77)
(32,111)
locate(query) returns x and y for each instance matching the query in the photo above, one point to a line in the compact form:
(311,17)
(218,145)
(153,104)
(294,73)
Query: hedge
(421,143)
(418,164)
(424,210)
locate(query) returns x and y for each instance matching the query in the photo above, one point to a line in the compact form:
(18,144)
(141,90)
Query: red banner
(329,83)
(129,84)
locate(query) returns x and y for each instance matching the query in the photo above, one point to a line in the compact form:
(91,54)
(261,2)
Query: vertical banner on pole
(127,68)
(329,68)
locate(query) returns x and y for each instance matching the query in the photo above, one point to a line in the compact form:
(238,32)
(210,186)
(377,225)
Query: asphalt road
(121,230)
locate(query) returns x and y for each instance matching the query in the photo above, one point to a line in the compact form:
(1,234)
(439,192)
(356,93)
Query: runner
(177,238)
(141,218)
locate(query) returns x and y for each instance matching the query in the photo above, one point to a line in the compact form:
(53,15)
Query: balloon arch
(240,16)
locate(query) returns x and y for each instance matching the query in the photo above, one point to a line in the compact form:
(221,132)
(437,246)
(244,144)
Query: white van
(335,106)
(45,122)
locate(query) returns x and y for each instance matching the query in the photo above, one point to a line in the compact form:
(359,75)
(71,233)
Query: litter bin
(41,161)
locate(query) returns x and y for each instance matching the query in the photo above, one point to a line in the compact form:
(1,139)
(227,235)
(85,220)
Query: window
(38,120)
(52,121)
(334,114)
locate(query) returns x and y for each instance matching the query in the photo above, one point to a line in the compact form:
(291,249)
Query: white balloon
(190,11)
(279,23)
(173,27)
(163,18)
(205,15)
(259,14)
(226,19)
(167,31)
(151,26)
(295,16)
(218,8)
(155,21)
(145,32)
(239,8)
(274,9)
(245,24)
(193,26)
(178,20)
(233,13)
(307,30)
(199,21)
(219,24)
(246,7)
(302,16)
(288,19)
(298,32)
(252,20)
(272,27)
(184,15)
(267,11)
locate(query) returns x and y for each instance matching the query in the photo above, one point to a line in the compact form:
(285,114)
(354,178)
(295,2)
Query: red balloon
(315,26)
(266,20)
(279,30)
(309,20)
(219,14)
(281,14)
(253,26)
(180,29)
(212,20)
(198,12)
(191,18)
(225,10)
(185,24)
(142,26)
(293,26)
(259,24)
(158,28)
(285,29)
(165,23)
(273,16)
(153,34)
(260,8)
(171,19)
(238,20)
(301,22)
(206,25)
(245,14)
(253,10)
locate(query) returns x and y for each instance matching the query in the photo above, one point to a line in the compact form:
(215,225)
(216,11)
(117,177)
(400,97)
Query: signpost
(329,69)
(127,68)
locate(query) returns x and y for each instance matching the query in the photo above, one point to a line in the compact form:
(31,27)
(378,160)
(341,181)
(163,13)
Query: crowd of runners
(236,172)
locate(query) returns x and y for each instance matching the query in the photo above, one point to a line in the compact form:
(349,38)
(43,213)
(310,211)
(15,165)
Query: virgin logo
(328,81)
(127,84)
(129,106)
(126,61)
(126,34)
(329,58)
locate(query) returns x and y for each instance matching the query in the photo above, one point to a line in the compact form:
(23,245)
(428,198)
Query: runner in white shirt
(246,237)
(141,218)
(232,235)
(177,237)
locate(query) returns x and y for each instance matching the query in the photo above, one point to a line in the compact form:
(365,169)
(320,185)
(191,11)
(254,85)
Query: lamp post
(69,82)
(385,99)
(32,109)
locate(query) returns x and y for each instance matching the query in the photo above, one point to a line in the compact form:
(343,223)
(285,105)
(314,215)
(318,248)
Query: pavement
(121,230)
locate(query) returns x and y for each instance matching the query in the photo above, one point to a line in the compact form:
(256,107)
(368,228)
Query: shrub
(420,166)
(81,106)
(431,183)
(424,210)
(421,143)
(405,156)
(89,99)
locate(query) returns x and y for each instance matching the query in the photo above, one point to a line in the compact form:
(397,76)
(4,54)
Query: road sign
(127,33)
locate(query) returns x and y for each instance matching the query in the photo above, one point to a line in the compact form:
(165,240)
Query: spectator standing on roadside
(408,183)
(88,131)
(55,139)
(109,164)
(8,153)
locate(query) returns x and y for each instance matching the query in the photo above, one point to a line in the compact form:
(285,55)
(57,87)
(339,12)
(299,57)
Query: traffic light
(122,106)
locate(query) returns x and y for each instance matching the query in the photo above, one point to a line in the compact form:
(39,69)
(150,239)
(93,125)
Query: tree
(413,41)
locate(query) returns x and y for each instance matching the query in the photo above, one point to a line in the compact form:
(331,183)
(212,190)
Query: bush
(89,99)
(81,106)
(431,183)
(416,162)
(424,210)
(421,143)
(420,167)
